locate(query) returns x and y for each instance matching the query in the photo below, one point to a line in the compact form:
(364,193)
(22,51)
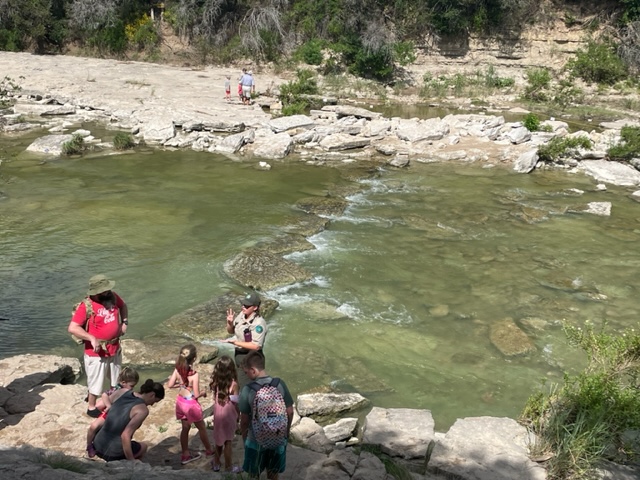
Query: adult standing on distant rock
(247,84)
(114,440)
(249,329)
(100,320)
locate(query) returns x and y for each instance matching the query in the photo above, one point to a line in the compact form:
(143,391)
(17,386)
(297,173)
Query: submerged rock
(323,205)
(263,270)
(207,321)
(507,337)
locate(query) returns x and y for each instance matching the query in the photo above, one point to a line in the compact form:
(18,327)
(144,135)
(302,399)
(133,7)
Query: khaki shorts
(97,369)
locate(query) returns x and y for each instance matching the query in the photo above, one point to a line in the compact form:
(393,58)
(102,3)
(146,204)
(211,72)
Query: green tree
(36,24)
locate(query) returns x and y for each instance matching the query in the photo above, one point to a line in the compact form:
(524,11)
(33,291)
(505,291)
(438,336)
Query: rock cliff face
(549,45)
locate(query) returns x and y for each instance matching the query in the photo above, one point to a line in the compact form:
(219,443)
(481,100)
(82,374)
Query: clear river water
(406,286)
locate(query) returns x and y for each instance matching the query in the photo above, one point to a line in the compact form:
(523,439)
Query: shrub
(112,39)
(73,146)
(311,52)
(629,147)
(8,86)
(295,95)
(142,33)
(404,53)
(123,141)
(567,93)
(531,122)
(582,422)
(538,80)
(599,63)
(562,147)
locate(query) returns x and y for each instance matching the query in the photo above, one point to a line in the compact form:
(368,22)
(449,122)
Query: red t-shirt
(104,325)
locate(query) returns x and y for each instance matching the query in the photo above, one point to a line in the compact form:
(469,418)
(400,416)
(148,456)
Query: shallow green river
(407,282)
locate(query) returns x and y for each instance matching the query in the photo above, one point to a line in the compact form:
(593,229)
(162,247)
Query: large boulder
(329,404)
(273,146)
(50,144)
(400,432)
(611,172)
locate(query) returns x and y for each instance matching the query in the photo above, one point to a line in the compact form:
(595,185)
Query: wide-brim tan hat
(99,284)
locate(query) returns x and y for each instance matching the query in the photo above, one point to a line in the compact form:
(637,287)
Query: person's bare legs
(228,457)
(217,455)
(202,430)
(184,437)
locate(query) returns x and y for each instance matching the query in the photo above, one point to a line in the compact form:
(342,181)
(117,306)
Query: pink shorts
(189,410)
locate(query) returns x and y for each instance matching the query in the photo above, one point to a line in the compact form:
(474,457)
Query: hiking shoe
(91,451)
(184,459)
(94,413)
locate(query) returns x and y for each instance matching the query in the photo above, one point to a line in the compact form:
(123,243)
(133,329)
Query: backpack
(269,420)
(89,309)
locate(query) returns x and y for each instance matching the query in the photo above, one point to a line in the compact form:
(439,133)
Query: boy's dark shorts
(255,461)
(135,448)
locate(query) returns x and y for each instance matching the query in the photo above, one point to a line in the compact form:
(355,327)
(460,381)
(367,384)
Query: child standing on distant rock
(227,88)
(224,385)
(188,410)
(127,379)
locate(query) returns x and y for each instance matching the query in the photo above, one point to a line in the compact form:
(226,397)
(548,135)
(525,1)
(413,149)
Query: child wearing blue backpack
(266,413)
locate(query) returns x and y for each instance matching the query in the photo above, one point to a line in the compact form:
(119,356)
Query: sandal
(184,459)
(235,469)
(215,466)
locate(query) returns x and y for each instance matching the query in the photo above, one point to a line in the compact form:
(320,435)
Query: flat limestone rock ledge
(486,448)
(611,172)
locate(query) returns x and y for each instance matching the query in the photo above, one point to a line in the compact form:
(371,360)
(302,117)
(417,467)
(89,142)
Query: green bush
(491,80)
(538,80)
(123,141)
(112,39)
(531,122)
(567,93)
(629,147)
(562,147)
(294,95)
(404,53)
(73,146)
(311,52)
(599,63)
(582,422)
